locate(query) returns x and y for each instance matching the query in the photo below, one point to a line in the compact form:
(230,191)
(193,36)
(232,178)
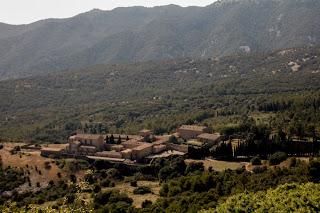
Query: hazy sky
(27,11)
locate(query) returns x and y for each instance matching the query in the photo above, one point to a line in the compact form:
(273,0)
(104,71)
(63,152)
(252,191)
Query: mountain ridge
(157,33)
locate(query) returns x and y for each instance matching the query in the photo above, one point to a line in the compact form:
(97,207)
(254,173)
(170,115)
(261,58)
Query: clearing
(138,199)
(218,165)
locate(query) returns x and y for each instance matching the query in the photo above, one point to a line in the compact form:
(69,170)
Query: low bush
(133,183)
(277,158)
(47,165)
(141,190)
(146,203)
(255,161)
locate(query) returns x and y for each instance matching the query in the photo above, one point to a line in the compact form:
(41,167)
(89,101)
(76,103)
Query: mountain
(139,34)
(139,94)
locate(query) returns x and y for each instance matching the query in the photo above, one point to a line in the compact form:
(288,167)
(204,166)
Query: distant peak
(96,10)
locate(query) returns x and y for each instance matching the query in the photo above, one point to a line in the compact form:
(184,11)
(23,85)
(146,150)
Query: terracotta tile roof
(193,127)
(88,147)
(88,136)
(131,141)
(208,136)
(126,151)
(142,146)
(75,142)
(145,131)
(50,149)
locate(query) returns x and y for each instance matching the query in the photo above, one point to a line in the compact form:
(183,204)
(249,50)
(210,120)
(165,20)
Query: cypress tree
(112,139)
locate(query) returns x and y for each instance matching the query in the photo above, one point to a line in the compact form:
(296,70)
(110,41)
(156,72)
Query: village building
(127,154)
(145,133)
(209,139)
(86,143)
(142,151)
(51,152)
(54,150)
(188,132)
(130,149)
(109,154)
(117,147)
(159,148)
(132,143)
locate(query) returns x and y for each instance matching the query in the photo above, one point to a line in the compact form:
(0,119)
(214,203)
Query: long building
(86,143)
(142,151)
(210,139)
(132,148)
(188,132)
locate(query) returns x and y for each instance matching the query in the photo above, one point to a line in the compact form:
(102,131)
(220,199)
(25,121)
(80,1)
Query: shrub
(277,158)
(194,166)
(255,161)
(105,183)
(59,175)
(164,190)
(146,203)
(114,173)
(112,196)
(293,162)
(133,183)
(15,150)
(173,139)
(314,169)
(47,165)
(259,169)
(70,198)
(96,188)
(141,190)
(73,178)
(77,165)
(89,178)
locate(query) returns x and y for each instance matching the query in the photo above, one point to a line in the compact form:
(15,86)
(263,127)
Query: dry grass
(29,160)
(218,165)
(138,199)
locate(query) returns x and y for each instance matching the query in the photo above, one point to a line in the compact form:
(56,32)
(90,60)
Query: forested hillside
(161,95)
(139,34)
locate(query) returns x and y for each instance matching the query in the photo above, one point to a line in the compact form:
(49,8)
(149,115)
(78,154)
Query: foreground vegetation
(285,198)
(188,190)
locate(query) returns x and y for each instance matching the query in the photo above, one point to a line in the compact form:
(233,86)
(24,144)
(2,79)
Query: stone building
(86,143)
(145,133)
(142,151)
(188,132)
(210,139)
